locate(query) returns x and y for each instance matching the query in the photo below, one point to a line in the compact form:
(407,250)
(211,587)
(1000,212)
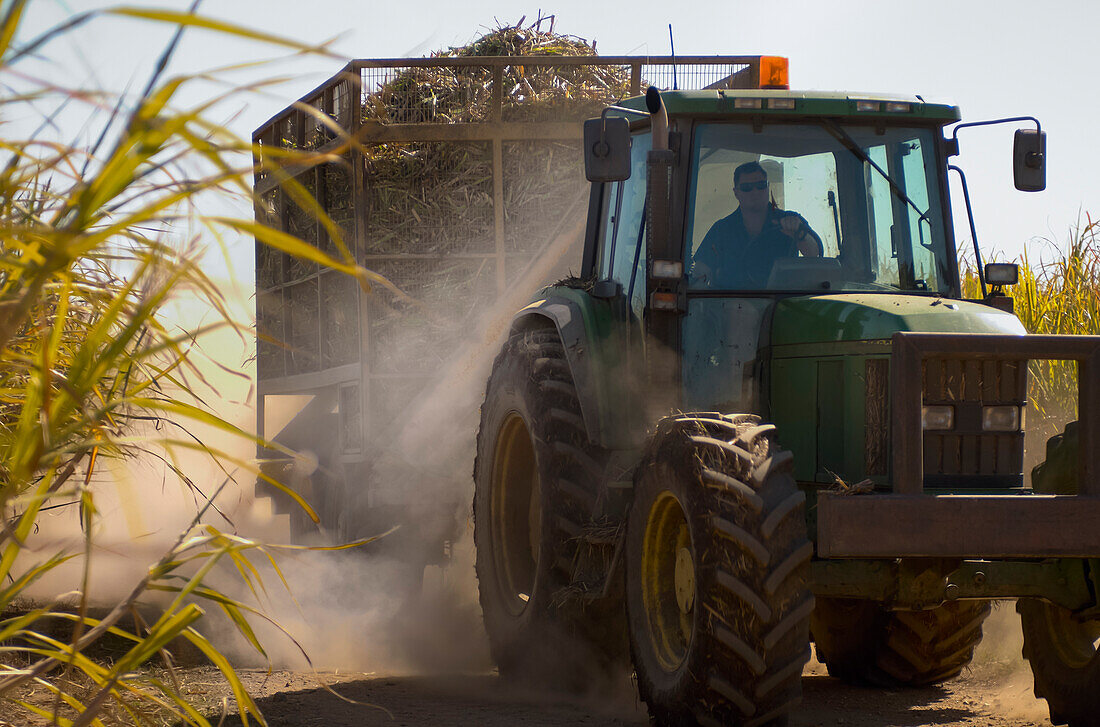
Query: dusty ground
(432,670)
(995,692)
(287,699)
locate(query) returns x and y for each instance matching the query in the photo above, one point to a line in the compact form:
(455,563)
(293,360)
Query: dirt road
(291,699)
(995,692)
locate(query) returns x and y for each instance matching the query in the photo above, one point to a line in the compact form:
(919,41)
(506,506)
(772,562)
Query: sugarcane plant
(96,239)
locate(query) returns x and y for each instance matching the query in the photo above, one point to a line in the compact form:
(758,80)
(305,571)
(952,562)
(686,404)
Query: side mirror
(1029,161)
(606,149)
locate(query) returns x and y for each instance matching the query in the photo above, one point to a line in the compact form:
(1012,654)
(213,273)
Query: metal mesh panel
(306,130)
(345,220)
(342,95)
(465,93)
(337,193)
(693,76)
(429,198)
(542,181)
(351,419)
(269,266)
(302,329)
(287,132)
(337,186)
(339,319)
(269,326)
(448,295)
(417,95)
(300,222)
(303,225)
(317,133)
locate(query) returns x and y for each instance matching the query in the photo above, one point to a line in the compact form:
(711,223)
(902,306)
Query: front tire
(1065,661)
(1057,473)
(717,562)
(1064,652)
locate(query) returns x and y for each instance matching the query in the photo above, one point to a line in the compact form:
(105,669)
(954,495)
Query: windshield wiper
(853,146)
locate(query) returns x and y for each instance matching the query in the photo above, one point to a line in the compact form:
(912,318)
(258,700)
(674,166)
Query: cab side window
(623,217)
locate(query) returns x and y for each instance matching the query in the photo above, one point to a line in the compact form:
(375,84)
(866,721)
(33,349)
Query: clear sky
(993,59)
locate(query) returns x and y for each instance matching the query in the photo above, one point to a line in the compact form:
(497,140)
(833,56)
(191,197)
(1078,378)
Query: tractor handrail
(910,349)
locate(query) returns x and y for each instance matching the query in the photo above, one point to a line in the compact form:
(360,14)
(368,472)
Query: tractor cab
(726,218)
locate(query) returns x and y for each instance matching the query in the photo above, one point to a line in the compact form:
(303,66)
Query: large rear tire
(717,574)
(862,642)
(537,480)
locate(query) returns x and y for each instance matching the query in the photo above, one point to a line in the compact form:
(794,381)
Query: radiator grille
(967,455)
(877,417)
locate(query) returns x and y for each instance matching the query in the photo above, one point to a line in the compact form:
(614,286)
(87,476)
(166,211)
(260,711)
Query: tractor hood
(869,316)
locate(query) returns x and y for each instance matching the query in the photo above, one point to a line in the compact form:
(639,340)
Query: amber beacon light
(773,72)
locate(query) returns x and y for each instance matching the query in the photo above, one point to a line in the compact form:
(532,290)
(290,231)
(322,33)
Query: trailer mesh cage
(461,171)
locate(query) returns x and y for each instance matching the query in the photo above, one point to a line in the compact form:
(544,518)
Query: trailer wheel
(717,561)
(1065,661)
(862,642)
(536,480)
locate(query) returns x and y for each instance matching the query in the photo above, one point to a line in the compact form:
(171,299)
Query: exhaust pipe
(658,118)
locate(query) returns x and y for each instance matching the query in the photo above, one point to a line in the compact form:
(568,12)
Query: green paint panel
(794,412)
(831,416)
(865,317)
(818,405)
(820,348)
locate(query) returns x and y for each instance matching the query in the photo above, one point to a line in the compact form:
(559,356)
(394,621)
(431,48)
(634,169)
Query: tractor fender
(574,325)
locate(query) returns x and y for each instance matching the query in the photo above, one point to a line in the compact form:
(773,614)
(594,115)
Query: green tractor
(766,266)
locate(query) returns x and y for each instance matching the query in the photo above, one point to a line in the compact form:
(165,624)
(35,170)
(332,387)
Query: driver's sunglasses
(753,186)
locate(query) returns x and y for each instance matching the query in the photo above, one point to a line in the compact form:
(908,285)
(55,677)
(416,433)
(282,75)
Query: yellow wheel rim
(668,581)
(1076,642)
(516,513)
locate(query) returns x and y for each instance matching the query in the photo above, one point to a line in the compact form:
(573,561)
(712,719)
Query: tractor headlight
(937,417)
(1001,418)
(668,269)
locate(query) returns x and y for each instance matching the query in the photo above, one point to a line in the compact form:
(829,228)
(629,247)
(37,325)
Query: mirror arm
(602,148)
(973,231)
(623,110)
(953,142)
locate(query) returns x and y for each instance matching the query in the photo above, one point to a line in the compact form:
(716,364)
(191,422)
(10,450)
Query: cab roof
(778,103)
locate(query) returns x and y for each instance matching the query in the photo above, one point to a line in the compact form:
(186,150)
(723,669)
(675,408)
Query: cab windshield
(818,207)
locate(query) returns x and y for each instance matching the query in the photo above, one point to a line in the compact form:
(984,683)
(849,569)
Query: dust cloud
(376,608)
(142,504)
(1000,666)
(363,612)
(370,608)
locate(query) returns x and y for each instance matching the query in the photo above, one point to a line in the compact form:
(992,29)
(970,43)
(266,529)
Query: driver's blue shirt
(728,258)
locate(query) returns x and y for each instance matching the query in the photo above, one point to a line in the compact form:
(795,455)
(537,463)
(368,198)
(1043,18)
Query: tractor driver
(738,251)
